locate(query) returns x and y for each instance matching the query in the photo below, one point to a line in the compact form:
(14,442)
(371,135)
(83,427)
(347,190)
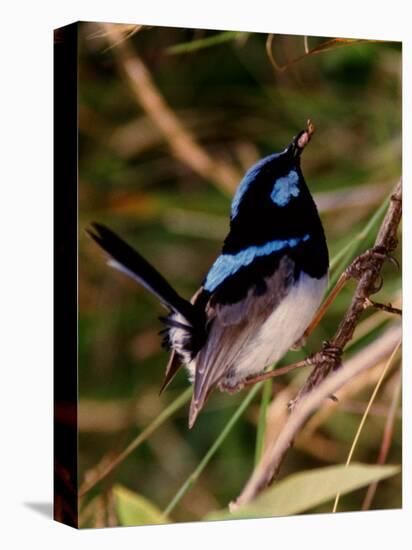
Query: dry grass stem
(366,413)
(332,44)
(386,439)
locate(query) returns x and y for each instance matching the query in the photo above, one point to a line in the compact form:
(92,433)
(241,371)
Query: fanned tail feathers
(185,326)
(126,259)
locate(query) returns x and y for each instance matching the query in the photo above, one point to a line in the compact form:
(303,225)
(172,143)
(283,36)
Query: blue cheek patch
(248,179)
(228,264)
(285,188)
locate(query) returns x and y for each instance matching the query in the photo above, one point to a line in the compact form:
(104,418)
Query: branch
(182,143)
(366,268)
(275,453)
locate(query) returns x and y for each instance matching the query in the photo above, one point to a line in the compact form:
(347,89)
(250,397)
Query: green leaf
(300,492)
(261,427)
(133,509)
(202,43)
(194,476)
(343,258)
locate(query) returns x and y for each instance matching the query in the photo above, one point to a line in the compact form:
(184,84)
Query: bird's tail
(127,260)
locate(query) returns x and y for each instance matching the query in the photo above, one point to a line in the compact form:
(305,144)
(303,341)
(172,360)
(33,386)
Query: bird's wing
(232,325)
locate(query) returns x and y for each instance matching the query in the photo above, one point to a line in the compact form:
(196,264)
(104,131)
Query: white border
(26,284)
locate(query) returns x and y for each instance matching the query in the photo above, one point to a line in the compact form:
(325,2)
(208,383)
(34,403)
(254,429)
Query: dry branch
(366,268)
(182,143)
(319,386)
(374,354)
(271,460)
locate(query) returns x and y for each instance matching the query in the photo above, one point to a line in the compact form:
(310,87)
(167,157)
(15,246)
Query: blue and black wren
(262,291)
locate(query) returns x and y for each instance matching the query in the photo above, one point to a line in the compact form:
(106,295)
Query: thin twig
(366,268)
(327,45)
(386,307)
(343,279)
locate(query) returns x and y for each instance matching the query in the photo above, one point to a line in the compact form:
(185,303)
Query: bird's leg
(233,388)
(274,373)
(328,352)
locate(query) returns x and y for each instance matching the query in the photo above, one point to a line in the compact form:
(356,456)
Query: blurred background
(169,121)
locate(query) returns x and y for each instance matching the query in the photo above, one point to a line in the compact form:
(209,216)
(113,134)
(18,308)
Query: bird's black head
(274,182)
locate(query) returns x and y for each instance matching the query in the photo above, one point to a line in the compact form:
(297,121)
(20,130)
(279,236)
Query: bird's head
(276,176)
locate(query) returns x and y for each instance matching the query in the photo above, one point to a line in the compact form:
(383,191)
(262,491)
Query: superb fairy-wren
(262,290)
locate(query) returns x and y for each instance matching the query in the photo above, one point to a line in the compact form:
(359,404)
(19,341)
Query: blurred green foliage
(239,109)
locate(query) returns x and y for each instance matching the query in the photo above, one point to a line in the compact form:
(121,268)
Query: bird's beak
(300,141)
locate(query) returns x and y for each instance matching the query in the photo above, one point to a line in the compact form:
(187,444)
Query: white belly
(283,328)
(270,341)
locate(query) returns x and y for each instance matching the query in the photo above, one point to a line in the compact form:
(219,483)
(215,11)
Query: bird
(260,293)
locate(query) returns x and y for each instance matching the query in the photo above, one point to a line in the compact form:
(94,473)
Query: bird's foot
(371,260)
(231,386)
(328,354)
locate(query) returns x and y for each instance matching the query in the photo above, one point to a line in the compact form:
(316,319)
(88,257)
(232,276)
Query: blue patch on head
(285,188)
(249,177)
(229,264)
